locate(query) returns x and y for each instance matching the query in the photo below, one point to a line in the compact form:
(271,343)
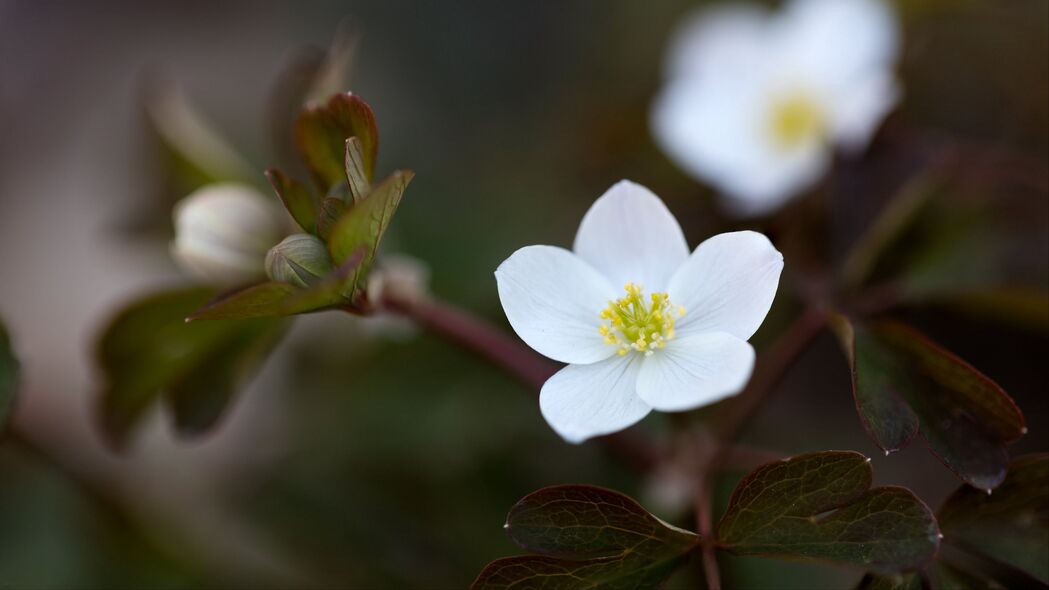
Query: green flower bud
(300,259)
(222,233)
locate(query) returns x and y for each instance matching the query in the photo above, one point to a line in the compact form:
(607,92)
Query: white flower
(754,102)
(223,231)
(641,323)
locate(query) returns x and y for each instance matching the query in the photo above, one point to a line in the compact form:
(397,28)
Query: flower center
(636,323)
(795,119)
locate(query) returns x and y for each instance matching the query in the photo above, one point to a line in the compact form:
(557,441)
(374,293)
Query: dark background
(370,455)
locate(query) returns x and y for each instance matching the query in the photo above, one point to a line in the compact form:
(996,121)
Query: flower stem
(495,345)
(704,524)
(770,370)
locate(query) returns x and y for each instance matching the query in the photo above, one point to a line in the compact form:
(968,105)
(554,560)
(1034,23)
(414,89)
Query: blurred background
(367,455)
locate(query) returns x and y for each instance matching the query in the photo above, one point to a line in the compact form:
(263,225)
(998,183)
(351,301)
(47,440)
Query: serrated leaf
(148,349)
(777,510)
(298,200)
(363,225)
(321,132)
(9,369)
(904,383)
(273,299)
(1011,525)
(536,572)
(587,537)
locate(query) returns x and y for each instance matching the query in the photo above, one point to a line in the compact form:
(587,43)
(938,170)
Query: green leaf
(363,226)
(778,510)
(199,398)
(897,582)
(1011,525)
(587,537)
(257,301)
(356,174)
(321,132)
(298,200)
(273,299)
(904,383)
(9,370)
(148,350)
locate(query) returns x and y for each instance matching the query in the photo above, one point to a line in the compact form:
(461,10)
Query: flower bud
(222,233)
(300,259)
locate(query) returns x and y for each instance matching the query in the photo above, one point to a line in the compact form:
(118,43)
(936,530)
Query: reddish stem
(493,344)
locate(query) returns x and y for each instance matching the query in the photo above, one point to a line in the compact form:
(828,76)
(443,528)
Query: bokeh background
(373,455)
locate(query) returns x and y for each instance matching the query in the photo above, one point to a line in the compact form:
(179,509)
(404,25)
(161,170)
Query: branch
(770,370)
(508,353)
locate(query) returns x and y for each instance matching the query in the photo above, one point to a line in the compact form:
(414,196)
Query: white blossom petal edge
(755,101)
(675,342)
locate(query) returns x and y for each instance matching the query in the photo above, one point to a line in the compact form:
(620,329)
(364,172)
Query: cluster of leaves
(813,507)
(155,348)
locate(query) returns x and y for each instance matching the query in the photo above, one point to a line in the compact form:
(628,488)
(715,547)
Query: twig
(493,344)
(704,524)
(781,355)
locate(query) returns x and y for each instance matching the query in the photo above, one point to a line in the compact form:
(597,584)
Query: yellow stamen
(638,323)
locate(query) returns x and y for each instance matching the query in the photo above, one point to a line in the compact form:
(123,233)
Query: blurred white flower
(755,102)
(675,340)
(223,231)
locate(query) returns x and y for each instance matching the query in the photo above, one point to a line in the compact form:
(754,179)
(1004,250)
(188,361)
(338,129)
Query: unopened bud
(223,231)
(300,259)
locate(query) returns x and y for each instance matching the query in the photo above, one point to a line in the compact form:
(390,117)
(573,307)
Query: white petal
(839,40)
(861,107)
(629,236)
(695,371)
(727,285)
(718,132)
(583,401)
(719,41)
(553,301)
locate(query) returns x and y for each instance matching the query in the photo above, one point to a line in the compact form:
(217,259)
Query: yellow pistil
(634,323)
(796,119)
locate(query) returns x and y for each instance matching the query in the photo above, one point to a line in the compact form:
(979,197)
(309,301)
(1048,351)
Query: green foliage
(8,376)
(321,133)
(1011,525)
(363,225)
(273,299)
(148,351)
(777,510)
(298,200)
(587,537)
(904,384)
